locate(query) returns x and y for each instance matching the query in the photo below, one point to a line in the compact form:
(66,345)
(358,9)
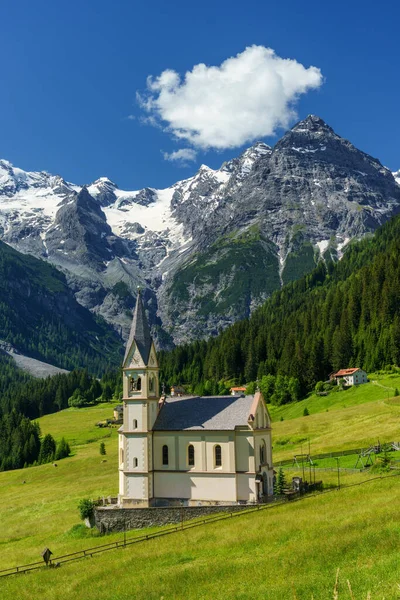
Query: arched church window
(135,463)
(121,456)
(134,423)
(151,383)
(132,384)
(262,452)
(139,384)
(165,455)
(218,456)
(191,455)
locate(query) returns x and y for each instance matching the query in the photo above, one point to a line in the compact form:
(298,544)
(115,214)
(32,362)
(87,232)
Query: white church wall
(136,452)
(136,415)
(184,440)
(195,486)
(135,486)
(152,413)
(169,440)
(121,483)
(246,487)
(259,438)
(227,452)
(244,451)
(204,446)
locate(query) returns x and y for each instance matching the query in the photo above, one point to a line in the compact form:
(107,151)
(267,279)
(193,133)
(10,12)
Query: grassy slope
(381,387)
(343,420)
(40,512)
(257,556)
(260,556)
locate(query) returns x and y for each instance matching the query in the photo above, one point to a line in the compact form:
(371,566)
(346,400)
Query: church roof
(203,413)
(140,332)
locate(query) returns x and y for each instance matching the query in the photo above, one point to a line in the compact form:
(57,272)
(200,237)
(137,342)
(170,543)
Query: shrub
(382,465)
(77,400)
(103,449)
(86,508)
(396,392)
(306,412)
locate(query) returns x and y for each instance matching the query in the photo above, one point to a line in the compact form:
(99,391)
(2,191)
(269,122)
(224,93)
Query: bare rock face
(211,248)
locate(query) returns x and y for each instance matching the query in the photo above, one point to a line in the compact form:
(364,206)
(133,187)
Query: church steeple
(140,395)
(139,335)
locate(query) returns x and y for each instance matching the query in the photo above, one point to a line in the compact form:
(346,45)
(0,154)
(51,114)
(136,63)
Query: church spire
(140,332)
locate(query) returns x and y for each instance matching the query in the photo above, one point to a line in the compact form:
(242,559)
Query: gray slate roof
(140,332)
(203,413)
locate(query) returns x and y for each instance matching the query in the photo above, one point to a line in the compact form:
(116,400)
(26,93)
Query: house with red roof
(350,376)
(237,390)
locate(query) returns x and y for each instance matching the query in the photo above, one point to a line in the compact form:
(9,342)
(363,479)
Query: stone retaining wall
(113,519)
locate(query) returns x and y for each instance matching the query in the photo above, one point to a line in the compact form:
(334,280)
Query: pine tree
(47,449)
(103,449)
(280,483)
(63,450)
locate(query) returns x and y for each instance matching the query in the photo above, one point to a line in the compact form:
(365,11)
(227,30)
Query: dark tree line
(23,398)
(21,444)
(34,398)
(340,315)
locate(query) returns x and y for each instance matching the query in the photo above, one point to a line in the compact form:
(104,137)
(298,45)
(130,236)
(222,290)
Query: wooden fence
(124,542)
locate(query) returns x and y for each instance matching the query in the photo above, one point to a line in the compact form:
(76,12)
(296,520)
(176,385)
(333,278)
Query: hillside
(340,315)
(302,544)
(34,367)
(41,318)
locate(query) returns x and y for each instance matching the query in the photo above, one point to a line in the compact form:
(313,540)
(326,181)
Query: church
(187,450)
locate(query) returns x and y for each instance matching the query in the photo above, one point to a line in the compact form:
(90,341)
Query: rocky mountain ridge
(208,249)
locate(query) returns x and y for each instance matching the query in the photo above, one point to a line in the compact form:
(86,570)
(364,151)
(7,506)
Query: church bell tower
(140,398)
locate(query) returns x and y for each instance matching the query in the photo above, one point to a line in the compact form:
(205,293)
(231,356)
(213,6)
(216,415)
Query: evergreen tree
(280,483)
(63,450)
(47,449)
(342,315)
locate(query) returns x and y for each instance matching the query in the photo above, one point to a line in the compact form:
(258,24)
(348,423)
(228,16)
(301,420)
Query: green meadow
(286,552)
(354,418)
(380,387)
(292,551)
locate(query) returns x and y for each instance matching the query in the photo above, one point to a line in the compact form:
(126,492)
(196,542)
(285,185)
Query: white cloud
(182,156)
(247,97)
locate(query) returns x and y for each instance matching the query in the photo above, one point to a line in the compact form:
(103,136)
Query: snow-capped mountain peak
(286,206)
(312,123)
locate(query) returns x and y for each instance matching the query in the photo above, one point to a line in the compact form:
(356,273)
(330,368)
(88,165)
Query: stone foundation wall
(113,519)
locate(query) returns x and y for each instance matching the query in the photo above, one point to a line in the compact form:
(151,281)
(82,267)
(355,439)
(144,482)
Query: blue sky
(70,72)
